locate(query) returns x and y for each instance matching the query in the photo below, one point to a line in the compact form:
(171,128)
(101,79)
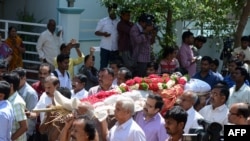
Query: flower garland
(169,87)
(153,82)
(100,96)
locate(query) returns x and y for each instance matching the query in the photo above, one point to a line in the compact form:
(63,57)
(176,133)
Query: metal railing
(29,32)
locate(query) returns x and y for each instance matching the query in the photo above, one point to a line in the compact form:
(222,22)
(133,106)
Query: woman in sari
(16,44)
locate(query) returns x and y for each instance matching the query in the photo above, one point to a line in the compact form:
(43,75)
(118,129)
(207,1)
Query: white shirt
(218,114)
(242,95)
(109,26)
(114,82)
(43,102)
(245,51)
(65,80)
(79,95)
(192,119)
(128,131)
(48,46)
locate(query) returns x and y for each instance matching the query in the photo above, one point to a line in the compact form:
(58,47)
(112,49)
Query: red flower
(154,87)
(130,82)
(147,80)
(182,81)
(98,97)
(138,79)
(154,76)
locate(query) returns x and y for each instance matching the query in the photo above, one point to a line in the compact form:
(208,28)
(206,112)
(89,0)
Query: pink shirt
(185,56)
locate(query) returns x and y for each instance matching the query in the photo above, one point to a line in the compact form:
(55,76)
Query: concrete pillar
(70,22)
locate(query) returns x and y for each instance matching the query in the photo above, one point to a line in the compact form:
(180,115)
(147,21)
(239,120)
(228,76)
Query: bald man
(238,114)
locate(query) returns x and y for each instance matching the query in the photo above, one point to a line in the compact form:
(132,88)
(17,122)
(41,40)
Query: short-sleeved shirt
(19,106)
(110,26)
(242,95)
(6,119)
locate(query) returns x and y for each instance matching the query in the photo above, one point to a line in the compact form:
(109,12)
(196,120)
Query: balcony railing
(29,32)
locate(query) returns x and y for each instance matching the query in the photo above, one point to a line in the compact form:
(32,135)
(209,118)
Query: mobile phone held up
(76,45)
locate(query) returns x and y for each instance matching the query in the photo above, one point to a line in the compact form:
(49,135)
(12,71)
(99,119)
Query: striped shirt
(18,105)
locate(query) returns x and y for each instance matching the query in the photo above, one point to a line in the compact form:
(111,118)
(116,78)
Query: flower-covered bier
(169,87)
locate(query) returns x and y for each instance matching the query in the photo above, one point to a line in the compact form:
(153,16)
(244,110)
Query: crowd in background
(126,52)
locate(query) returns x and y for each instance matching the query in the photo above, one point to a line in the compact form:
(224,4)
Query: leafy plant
(214,18)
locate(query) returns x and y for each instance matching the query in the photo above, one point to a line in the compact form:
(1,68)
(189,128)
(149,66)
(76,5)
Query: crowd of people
(126,50)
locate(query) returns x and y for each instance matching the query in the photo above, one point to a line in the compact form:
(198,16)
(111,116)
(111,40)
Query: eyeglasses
(214,94)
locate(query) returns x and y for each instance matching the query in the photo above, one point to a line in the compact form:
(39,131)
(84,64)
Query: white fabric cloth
(198,86)
(43,102)
(192,119)
(242,95)
(128,131)
(79,95)
(218,114)
(48,46)
(109,26)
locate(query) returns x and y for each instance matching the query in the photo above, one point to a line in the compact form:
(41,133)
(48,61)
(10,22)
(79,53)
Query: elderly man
(187,100)
(123,75)
(238,113)
(125,129)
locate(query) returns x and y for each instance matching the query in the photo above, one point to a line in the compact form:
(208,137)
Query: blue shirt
(6,119)
(211,78)
(228,79)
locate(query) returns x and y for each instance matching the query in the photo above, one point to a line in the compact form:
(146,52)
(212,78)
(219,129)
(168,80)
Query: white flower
(160,86)
(134,87)
(170,83)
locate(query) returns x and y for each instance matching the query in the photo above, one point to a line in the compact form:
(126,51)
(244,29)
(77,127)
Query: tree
(245,12)
(215,18)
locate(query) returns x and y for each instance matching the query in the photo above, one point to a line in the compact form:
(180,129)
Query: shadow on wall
(213,48)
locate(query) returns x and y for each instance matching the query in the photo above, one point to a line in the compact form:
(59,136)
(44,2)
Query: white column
(70,22)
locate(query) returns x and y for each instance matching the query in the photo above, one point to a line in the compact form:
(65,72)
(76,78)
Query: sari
(17,54)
